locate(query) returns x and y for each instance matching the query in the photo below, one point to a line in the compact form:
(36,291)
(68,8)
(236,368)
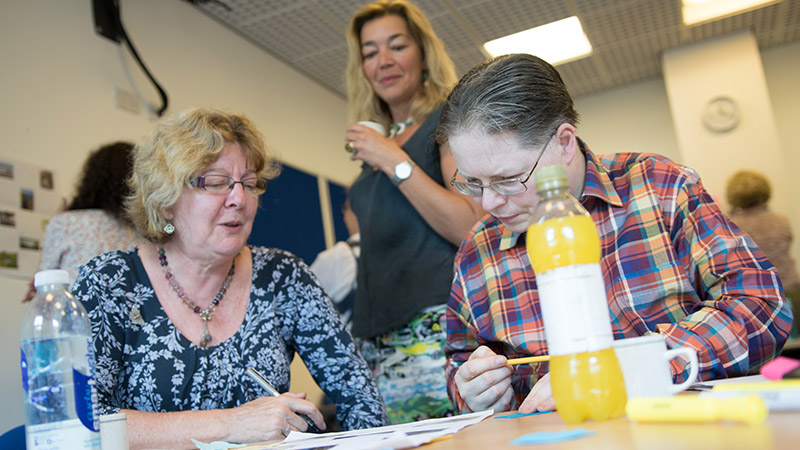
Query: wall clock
(721,114)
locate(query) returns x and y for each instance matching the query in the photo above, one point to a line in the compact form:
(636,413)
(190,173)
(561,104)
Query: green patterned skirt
(408,364)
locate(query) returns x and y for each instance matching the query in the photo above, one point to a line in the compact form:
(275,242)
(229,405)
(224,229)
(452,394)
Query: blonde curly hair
(178,149)
(748,188)
(362,103)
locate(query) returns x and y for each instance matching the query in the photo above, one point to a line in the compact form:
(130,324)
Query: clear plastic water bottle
(57,361)
(564,248)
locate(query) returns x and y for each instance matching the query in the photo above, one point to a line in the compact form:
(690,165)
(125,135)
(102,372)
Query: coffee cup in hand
(375,126)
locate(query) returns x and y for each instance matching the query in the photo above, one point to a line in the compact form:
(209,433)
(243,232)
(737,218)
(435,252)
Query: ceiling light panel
(556,42)
(700,11)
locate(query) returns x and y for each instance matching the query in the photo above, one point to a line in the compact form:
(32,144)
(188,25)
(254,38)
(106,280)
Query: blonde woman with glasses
(178,320)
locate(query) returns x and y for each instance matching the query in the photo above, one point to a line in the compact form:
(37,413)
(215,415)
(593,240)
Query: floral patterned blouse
(151,366)
(74,237)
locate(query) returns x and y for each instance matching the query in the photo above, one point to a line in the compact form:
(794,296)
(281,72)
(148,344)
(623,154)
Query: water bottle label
(63,435)
(574,309)
(85,400)
(23,364)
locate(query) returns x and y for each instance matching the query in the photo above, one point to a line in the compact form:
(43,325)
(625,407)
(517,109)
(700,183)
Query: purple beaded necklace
(205,314)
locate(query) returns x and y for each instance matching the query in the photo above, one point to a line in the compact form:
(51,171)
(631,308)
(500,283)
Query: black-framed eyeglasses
(222,184)
(506,187)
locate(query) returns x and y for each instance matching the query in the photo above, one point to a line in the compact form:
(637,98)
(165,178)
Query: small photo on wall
(46,179)
(29,243)
(26,199)
(6,170)
(7,218)
(8,260)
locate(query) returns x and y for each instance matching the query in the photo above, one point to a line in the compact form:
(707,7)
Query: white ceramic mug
(114,432)
(644,361)
(375,126)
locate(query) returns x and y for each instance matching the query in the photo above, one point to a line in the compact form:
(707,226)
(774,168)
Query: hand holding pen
(271,391)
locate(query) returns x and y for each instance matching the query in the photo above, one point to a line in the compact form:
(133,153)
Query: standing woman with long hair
(94,221)
(411,219)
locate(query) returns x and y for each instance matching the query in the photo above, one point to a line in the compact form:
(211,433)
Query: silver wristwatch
(402,171)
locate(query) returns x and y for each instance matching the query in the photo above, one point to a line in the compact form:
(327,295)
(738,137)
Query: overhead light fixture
(557,42)
(700,11)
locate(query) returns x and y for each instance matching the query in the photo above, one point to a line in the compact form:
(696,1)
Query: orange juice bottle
(564,249)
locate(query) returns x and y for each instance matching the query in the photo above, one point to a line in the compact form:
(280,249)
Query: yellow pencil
(530,359)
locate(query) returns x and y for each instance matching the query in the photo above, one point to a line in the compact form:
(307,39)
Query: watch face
(721,114)
(403,170)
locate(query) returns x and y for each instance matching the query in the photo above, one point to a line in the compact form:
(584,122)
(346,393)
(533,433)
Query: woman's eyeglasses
(222,185)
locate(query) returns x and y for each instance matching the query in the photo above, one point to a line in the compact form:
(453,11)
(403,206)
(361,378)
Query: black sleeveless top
(405,266)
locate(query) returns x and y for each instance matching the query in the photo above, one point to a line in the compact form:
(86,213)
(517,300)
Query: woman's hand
(484,381)
(540,398)
(372,148)
(450,213)
(271,418)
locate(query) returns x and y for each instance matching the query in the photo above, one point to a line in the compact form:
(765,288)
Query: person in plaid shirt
(672,262)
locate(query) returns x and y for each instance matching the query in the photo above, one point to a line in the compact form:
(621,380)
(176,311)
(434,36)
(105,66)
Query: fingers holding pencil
(484,381)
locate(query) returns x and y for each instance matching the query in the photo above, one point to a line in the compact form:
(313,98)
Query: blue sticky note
(515,415)
(548,437)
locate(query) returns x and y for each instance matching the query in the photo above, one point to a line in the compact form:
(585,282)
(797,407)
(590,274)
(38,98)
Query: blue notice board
(289,215)
(338,194)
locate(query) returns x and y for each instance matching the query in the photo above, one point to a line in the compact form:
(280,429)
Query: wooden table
(780,431)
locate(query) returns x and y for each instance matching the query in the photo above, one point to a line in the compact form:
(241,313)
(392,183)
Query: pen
(261,381)
(529,359)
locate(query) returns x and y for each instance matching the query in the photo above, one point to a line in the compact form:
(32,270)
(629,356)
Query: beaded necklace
(205,314)
(398,127)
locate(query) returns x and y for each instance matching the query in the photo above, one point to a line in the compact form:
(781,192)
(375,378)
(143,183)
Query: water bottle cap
(51,277)
(551,177)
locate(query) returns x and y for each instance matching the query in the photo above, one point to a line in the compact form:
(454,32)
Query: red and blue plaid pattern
(672,263)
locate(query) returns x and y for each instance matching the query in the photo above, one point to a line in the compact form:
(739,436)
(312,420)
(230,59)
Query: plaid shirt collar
(597,184)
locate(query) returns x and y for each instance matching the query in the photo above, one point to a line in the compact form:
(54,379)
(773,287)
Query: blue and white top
(153,367)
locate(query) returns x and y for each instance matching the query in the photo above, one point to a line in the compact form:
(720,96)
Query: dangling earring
(425,78)
(169,228)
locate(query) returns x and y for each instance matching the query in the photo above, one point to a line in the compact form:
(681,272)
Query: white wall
(56,87)
(633,118)
(56,104)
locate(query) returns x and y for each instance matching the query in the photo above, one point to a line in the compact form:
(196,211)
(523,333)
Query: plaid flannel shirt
(672,264)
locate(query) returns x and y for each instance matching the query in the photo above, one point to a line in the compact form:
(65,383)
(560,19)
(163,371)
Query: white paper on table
(216,445)
(403,436)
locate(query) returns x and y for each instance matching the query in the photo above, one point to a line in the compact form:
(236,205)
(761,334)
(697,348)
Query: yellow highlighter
(688,408)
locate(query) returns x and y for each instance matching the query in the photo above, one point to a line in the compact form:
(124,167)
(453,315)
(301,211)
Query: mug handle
(693,366)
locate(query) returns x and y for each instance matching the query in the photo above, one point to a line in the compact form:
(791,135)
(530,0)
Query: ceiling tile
(628,36)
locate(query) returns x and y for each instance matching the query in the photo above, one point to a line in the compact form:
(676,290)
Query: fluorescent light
(700,11)
(556,42)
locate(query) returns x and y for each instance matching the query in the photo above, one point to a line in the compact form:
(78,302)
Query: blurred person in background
(748,192)
(336,268)
(94,221)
